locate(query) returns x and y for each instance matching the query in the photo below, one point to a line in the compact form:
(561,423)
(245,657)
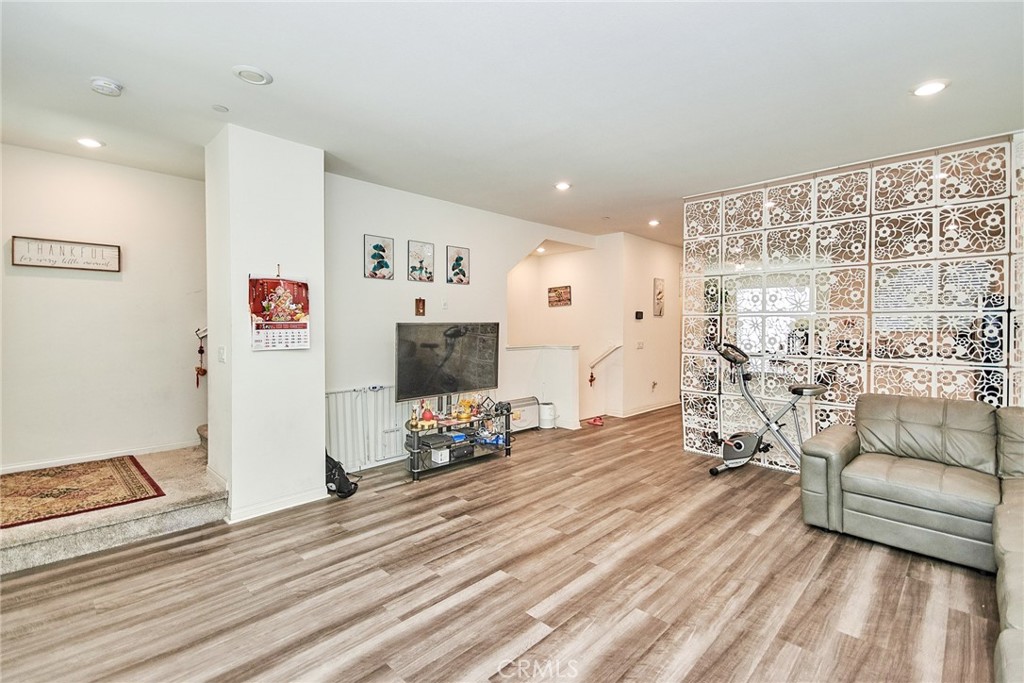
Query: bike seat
(807,389)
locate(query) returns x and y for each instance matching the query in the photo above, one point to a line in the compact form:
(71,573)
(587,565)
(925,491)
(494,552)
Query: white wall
(98,364)
(267,209)
(658,360)
(362,312)
(609,284)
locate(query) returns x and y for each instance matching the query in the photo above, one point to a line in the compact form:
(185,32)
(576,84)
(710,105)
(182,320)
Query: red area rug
(35,495)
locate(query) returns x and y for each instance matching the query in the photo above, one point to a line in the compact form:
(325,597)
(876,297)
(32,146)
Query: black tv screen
(432,359)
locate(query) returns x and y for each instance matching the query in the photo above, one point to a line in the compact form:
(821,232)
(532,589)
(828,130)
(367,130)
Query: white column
(265,207)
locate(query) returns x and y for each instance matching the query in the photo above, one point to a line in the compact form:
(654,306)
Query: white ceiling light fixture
(253,75)
(220,108)
(563,186)
(930,87)
(91,143)
(654,222)
(541,250)
(106,86)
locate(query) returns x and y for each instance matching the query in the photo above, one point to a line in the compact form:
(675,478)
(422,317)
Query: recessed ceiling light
(220,108)
(106,86)
(90,143)
(541,250)
(930,88)
(562,186)
(654,223)
(253,75)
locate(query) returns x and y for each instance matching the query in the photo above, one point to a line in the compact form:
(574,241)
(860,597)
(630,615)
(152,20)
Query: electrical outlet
(222,354)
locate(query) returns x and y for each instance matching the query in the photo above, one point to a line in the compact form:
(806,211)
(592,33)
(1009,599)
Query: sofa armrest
(822,462)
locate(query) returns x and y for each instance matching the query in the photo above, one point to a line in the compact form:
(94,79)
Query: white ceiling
(489,104)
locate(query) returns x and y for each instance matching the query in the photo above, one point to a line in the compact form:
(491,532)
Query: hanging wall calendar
(279,312)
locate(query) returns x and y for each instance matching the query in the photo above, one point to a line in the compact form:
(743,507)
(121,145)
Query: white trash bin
(547,415)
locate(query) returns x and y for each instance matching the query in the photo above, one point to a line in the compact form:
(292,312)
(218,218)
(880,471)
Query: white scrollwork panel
(1015,396)
(974,173)
(790,204)
(700,407)
(1017,277)
(744,211)
(967,229)
(842,195)
(841,289)
(700,334)
(970,338)
(843,381)
(977,384)
(904,337)
(903,185)
(842,336)
(788,292)
(784,335)
(905,235)
(702,256)
(1017,339)
(788,247)
(825,416)
(743,293)
(702,295)
(746,332)
(907,380)
(904,286)
(779,374)
(972,283)
(745,250)
(841,243)
(737,416)
(702,218)
(699,373)
(699,438)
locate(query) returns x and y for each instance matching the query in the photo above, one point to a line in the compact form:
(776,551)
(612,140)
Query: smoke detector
(106,86)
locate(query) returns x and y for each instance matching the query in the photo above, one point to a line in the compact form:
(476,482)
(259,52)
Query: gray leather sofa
(943,478)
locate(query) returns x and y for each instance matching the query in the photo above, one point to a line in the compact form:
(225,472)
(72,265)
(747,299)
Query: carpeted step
(193,498)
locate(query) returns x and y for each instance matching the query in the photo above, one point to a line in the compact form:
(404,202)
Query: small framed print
(659,297)
(559,296)
(421,261)
(458,265)
(378,256)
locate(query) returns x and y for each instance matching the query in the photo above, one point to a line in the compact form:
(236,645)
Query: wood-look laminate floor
(605,554)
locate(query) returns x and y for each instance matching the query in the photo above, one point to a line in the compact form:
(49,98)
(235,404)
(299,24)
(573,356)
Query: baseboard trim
(89,457)
(260,509)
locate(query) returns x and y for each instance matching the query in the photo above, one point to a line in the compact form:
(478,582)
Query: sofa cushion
(1010,441)
(923,483)
(1009,656)
(1008,521)
(1010,591)
(950,432)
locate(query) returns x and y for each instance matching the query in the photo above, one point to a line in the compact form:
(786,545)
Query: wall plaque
(46,253)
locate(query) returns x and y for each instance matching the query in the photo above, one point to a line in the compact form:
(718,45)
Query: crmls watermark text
(529,668)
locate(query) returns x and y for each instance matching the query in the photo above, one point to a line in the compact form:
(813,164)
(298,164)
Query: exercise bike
(738,449)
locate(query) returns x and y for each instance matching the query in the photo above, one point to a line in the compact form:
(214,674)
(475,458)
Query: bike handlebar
(732,353)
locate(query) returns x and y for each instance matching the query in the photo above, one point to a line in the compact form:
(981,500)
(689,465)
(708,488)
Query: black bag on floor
(338,482)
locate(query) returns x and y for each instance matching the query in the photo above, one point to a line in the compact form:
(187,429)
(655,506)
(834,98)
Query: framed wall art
(378,255)
(46,253)
(421,261)
(457,265)
(559,296)
(659,297)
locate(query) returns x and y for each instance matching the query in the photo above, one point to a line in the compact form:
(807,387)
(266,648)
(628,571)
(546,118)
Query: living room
(101,364)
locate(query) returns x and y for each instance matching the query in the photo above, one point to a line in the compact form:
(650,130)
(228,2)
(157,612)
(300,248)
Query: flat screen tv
(433,359)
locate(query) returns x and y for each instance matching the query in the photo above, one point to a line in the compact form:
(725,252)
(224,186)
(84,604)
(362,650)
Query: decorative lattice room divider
(897,276)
